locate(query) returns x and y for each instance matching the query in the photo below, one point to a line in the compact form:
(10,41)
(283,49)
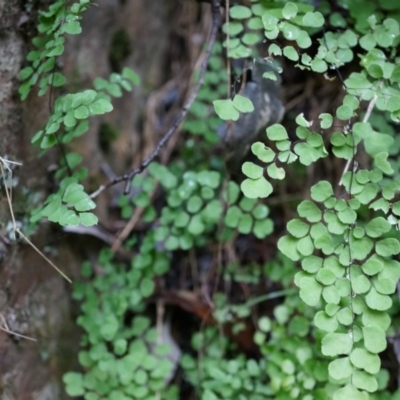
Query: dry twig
(181,116)
(15,226)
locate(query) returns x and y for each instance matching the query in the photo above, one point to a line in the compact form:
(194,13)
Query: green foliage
(308,149)
(321,343)
(196,204)
(121,361)
(221,377)
(68,206)
(52,27)
(347,274)
(70,119)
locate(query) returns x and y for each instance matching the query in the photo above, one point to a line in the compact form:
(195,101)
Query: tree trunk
(35,301)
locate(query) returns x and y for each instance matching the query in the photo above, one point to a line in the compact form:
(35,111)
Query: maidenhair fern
(324,343)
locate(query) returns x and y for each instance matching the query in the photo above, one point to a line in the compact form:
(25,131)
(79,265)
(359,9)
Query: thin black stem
(215,4)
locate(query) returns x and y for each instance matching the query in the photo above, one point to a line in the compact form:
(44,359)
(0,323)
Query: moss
(120,49)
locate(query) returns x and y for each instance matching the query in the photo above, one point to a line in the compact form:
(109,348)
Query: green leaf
(72,27)
(245,224)
(311,264)
(109,327)
(81,112)
(326,276)
(310,291)
(88,219)
(254,188)
(385,285)
(67,217)
(345,316)
(290,53)
(321,191)
(251,38)
(361,284)
(261,211)
(331,295)
(290,31)
(131,75)
(277,132)
(196,225)
(344,113)
(372,266)
(304,42)
(324,242)
(373,317)
(263,153)
(305,246)
(363,359)
(69,119)
(326,120)
(74,384)
(85,98)
(381,162)
(364,381)
(287,157)
(243,104)
(340,368)
(56,51)
(347,216)
(318,65)
(374,338)
(377,227)
(74,195)
(270,75)
(275,172)
(378,301)
(387,247)
(100,106)
(263,228)
(232,192)
(194,204)
(234,28)
(289,11)
(269,21)
(351,101)
(85,204)
(25,73)
(52,128)
(252,170)
(334,344)
(240,12)
(255,23)
(288,246)
(306,153)
(209,178)
(350,392)
(313,19)
(57,79)
(325,322)
(226,110)
(147,287)
(307,209)
(361,248)
(283,145)
(273,50)
(48,141)
(298,228)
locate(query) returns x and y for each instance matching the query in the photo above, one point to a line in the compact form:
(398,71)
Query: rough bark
(35,300)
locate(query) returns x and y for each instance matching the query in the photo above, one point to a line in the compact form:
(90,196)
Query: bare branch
(181,116)
(15,227)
